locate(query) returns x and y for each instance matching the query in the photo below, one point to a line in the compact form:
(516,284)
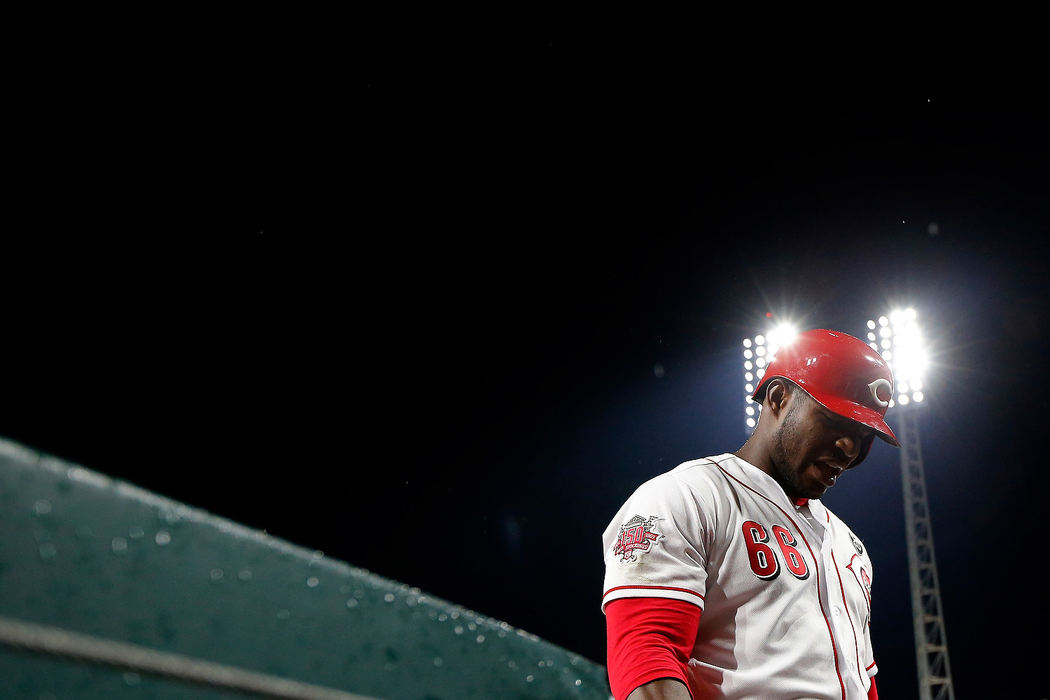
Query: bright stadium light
(899,340)
(759,351)
(782,334)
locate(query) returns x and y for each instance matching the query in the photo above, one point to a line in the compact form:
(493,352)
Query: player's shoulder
(697,477)
(688,493)
(702,470)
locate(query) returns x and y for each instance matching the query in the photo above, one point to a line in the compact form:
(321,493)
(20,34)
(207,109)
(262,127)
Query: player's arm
(655,582)
(663,689)
(650,641)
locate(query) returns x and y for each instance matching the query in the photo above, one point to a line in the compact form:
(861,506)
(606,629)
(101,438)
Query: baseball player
(726,577)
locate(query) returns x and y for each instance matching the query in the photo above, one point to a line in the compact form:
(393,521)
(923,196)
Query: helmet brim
(859,413)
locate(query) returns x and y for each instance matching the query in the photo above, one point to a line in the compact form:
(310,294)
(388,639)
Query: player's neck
(751,453)
(754,453)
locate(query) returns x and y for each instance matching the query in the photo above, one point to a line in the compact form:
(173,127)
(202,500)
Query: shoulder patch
(636,535)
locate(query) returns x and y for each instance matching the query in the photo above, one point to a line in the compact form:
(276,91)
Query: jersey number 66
(763,559)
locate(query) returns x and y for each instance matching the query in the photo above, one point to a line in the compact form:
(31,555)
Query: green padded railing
(84,554)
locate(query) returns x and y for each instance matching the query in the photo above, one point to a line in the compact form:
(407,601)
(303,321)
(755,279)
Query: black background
(435,304)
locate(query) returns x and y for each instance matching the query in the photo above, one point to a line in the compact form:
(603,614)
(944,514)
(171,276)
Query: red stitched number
(792,557)
(764,561)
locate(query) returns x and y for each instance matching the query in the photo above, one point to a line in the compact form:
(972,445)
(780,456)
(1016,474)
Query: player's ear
(777,393)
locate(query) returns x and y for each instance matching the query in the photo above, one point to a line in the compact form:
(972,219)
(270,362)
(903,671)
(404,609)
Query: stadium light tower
(758,352)
(898,339)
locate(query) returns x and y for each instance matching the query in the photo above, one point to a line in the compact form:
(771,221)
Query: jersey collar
(767,485)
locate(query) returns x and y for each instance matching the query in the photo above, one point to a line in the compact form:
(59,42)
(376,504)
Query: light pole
(899,340)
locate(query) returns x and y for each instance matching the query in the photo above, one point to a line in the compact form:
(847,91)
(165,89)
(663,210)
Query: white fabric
(786,606)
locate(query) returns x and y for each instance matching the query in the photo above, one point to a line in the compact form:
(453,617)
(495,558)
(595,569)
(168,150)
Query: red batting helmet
(843,374)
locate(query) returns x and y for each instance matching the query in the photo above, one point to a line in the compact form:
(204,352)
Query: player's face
(813,446)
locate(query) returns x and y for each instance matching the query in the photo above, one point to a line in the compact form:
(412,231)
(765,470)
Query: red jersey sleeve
(647,639)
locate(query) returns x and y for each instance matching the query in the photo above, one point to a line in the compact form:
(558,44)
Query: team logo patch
(856,543)
(636,535)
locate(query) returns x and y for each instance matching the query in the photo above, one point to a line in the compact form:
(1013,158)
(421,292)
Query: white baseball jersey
(785,590)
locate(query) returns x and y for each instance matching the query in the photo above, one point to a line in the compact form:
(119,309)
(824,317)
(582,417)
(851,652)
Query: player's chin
(816,491)
(816,486)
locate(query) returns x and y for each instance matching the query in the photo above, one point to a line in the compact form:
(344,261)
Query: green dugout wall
(110,591)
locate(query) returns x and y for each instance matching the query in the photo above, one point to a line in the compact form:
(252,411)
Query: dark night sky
(403,303)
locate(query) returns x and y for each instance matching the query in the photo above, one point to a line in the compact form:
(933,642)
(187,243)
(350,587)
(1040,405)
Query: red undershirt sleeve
(647,639)
(873,694)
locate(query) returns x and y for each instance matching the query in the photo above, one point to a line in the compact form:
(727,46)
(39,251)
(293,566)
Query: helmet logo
(878,384)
